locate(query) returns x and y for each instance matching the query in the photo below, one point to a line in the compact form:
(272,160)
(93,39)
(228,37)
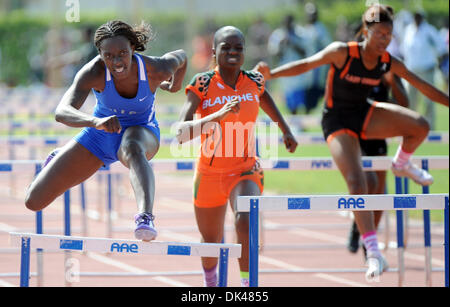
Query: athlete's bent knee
(132,148)
(357,185)
(32,204)
(423,126)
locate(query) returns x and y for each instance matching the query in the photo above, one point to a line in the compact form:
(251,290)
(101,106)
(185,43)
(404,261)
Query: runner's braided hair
(138,36)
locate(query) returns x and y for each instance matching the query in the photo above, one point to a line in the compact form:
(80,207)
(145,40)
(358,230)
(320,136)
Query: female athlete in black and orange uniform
(355,68)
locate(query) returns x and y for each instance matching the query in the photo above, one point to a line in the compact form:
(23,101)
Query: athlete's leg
(389,120)
(346,153)
(72,165)
(210,222)
(243,188)
(139,145)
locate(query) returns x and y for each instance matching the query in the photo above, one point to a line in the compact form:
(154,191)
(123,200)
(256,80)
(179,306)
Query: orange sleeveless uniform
(347,108)
(228,150)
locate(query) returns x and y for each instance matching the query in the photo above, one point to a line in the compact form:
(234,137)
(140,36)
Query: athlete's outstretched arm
(269,106)
(335,53)
(423,86)
(67,112)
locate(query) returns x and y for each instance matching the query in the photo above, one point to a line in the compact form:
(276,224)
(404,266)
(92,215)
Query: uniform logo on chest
(362,80)
(221,100)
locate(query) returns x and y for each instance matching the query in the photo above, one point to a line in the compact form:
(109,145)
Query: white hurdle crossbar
(436,137)
(292,164)
(104,245)
(254,204)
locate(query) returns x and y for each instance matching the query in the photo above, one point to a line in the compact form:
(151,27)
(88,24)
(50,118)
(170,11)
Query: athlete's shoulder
(255,76)
(92,73)
(202,80)
(338,46)
(336,53)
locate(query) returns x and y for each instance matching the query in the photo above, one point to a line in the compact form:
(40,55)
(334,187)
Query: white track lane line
(6,284)
(287,266)
(339,240)
(7,228)
(133,269)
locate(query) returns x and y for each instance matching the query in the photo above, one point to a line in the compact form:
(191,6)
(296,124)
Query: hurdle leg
(405,215)
(39,251)
(427,244)
(25,262)
(427,233)
(400,246)
(223,267)
(83,210)
(253,243)
(67,232)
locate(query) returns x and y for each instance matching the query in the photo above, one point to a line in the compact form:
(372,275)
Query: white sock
(401,157)
(371,243)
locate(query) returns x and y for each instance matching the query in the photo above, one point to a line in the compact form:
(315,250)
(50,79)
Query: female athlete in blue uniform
(123,126)
(355,69)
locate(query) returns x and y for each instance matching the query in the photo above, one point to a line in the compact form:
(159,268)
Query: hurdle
(255,204)
(326,163)
(280,164)
(27,241)
(308,138)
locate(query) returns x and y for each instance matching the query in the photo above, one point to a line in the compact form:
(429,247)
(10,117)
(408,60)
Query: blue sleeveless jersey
(137,111)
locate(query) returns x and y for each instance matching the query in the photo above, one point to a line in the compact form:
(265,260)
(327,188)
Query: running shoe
(376,266)
(416,174)
(353,239)
(145,229)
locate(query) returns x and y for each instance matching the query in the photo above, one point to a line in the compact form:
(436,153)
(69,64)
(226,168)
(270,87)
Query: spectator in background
(423,50)
(257,39)
(288,44)
(343,31)
(445,61)
(318,38)
(201,46)
(402,19)
(70,62)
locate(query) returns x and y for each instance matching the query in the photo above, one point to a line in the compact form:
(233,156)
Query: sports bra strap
(353,49)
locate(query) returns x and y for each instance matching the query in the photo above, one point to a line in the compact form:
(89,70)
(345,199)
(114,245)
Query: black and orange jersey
(352,84)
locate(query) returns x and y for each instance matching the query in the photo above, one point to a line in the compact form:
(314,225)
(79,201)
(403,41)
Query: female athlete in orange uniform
(355,68)
(227,100)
